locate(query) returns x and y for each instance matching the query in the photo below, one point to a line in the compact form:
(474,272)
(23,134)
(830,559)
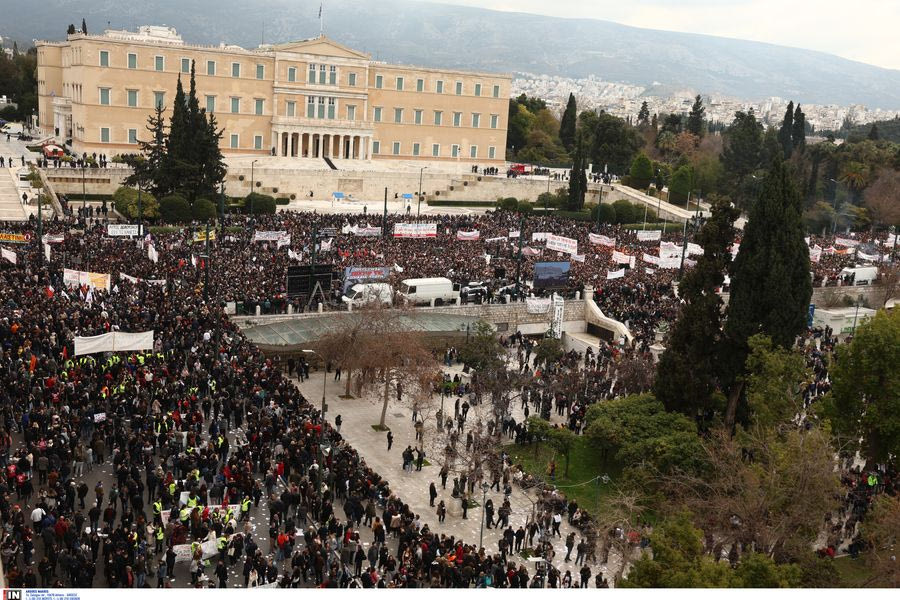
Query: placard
(122,230)
(415,230)
(562,244)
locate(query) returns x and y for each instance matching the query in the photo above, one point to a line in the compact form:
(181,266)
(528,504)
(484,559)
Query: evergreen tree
(770,280)
(567,124)
(786,131)
(149,172)
(212,167)
(688,371)
(798,133)
(71,29)
(696,117)
(83,26)
(743,145)
(180,165)
(644,114)
(654,123)
(873,132)
(577,179)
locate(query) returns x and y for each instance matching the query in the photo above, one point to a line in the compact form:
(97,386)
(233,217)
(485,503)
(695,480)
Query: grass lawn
(584,464)
(854,572)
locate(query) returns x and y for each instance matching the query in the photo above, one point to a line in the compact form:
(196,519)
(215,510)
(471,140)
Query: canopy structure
(292,334)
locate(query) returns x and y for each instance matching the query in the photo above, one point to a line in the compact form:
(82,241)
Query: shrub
(260,203)
(125,201)
(680,185)
(175,209)
(508,204)
(203,210)
(525,207)
(283,201)
(607,213)
(641,172)
(626,212)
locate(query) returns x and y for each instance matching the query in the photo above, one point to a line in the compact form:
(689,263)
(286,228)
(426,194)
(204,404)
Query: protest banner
(268,236)
(122,230)
(75,279)
(620,258)
(415,230)
(468,235)
(601,240)
(615,274)
(15,238)
(9,255)
(562,244)
(649,236)
(537,306)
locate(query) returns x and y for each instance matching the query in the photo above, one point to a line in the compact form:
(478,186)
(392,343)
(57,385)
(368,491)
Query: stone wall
(873,295)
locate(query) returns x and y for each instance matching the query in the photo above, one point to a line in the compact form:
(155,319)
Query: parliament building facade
(312,98)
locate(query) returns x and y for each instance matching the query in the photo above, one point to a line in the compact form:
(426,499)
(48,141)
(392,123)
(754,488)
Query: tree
(774,380)
(641,172)
(696,117)
(864,404)
(259,204)
(577,179)
(203,210)
(786,131)
(563,440)
(798,131)
(175,209)
(614,143)
(873,132)
(548,351)
(680,185)
(149,169)
(643,117)
(567,124)
(689,370)
(125,201)
(881,531)
(770,280)
(71,29)
(83,26)
(882,198)
(482,351)
(743,145)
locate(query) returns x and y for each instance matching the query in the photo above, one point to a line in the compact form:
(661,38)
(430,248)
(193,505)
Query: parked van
(362,294)
(859,275)
(426,289)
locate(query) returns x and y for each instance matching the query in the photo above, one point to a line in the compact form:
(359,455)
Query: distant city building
(310,98)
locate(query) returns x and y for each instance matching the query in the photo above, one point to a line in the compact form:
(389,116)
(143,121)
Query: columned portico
(307,138)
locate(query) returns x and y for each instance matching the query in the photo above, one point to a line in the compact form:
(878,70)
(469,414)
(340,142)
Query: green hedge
(464,203)
(282,201)
(160,229)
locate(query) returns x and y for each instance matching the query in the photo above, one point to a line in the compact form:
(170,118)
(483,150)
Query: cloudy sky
(863,30)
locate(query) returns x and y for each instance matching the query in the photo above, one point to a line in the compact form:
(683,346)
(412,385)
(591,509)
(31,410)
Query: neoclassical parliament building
(312,98)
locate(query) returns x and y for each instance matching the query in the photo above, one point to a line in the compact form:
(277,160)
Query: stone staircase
(11,208)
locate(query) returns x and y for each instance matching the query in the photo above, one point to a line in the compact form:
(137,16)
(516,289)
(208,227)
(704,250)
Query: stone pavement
(357,417)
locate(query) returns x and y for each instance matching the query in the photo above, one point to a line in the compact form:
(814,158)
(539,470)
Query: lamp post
(834,207)
(324,407)
(484,490)
(419,208)
(140,212)
(252,163)
(40,229)
(83,193)
(519,258)
(893,230)
(695,223)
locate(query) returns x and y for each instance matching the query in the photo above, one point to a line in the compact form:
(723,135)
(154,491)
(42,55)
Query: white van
(860,275)
(426,289)
(362,294)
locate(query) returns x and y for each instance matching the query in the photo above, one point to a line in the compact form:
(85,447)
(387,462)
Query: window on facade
(416,149)
(492,152)
(454,151)
(322,74)
(473,152)
(185,65)
(311,107)
(496,91)
(321,104)
(292,74)
(132,61)
(477,89)
(235,69)
(210,67)
(399,84)
(292,108)
(438,115)
(311,78)
(132,136)
(235,105)
(159,63)
(457,119)
(379,82)
(396,148)
(104,135)
(377,116)
(159,99)
(132,98)
(332,75)
(257,142)
(234,140)
(104,58)
(104,96)
(351,113)
(476,119)
(258,106)
(459,88)
(260,71)
(418,116)
(210,104)
(331,108)
(398,115)
(435,149)
(420,85)
(494,120)
(351,79)
(376,147)
(439,87)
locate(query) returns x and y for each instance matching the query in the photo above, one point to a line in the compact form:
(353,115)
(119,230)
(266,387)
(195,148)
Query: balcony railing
(322,123)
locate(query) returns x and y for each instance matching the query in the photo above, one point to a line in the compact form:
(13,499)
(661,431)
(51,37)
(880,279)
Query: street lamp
(484,490)
(834,207)
(83,193)
(324,380)
(324,406)
(419,208)
(252,163)
(893,230)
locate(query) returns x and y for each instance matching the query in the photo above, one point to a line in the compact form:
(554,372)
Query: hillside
(455,36)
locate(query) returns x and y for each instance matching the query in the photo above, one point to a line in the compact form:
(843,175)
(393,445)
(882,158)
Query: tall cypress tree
(770,280)
(577,178)
(696,117)
(786,131)
(798,132)
(83,26)
(150,173)
(212,167)
(689,369)
(567,124)
(643,117)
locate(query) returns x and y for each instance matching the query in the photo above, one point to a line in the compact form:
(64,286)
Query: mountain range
(450,36)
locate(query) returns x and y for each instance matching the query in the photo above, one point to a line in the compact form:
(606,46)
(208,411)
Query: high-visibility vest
(172,489)
(160,534)
(191,502)
(223,541)
(185,514)
(245,505)
(157,508)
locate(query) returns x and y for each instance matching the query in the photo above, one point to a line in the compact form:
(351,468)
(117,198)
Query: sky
(863,30)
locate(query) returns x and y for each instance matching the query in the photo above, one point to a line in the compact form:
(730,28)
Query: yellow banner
(200,236)
(15,238)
